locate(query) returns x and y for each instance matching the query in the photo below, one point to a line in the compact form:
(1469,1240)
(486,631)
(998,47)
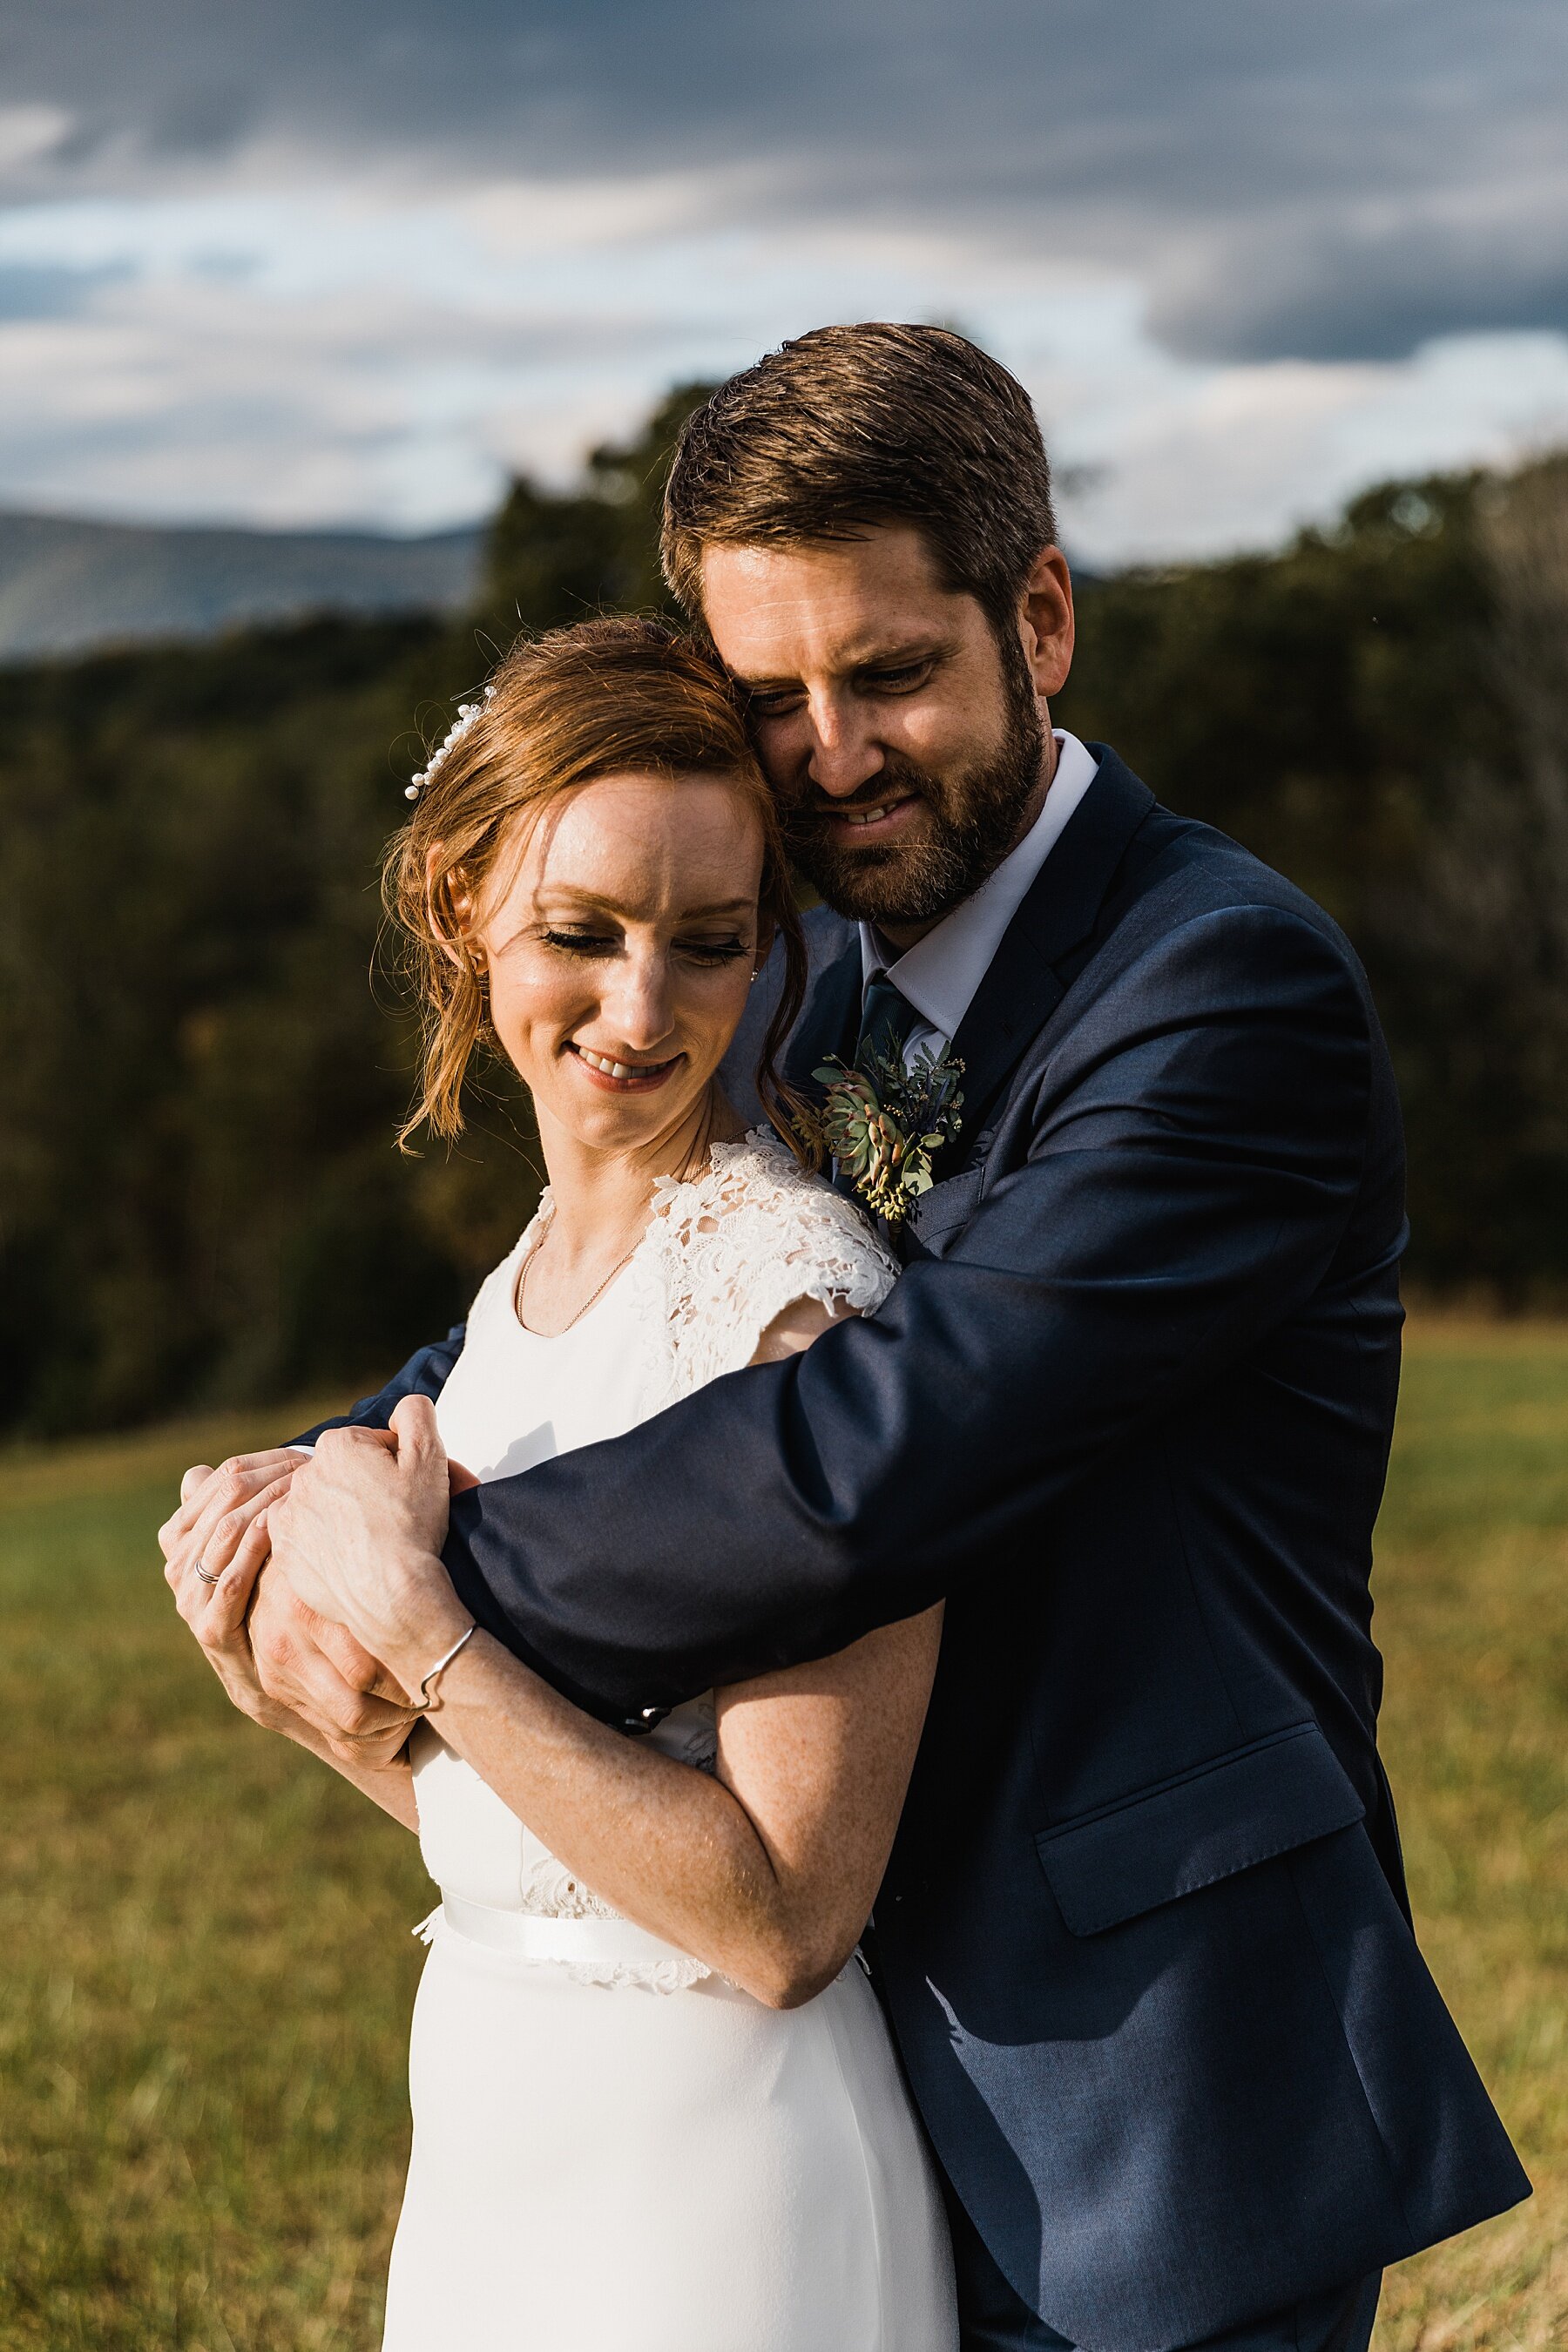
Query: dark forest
(200,1201)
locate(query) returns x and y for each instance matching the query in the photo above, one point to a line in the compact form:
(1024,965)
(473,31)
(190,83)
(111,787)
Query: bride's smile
(625,1076)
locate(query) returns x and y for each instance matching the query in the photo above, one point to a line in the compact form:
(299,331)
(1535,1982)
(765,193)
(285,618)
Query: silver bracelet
(426,1702)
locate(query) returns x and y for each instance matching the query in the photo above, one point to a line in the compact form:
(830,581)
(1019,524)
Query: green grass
(1472,1615)
(203,2005)
(203,2026)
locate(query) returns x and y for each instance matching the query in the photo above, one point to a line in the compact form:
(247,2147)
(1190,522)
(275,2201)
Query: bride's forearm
(390,1786)
(670,1847)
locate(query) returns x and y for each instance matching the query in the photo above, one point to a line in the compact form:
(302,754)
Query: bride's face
(620,940)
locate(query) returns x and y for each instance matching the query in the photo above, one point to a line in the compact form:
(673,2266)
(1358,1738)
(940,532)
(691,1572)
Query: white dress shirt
(939,974)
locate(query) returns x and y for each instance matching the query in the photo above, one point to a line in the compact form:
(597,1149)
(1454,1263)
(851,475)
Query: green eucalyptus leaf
(882,1122)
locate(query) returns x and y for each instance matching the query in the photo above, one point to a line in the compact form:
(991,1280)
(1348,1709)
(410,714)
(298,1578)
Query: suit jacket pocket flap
(946,1206)
(1257,1801)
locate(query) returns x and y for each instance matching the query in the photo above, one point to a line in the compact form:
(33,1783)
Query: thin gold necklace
(589,1301)
(694,1158)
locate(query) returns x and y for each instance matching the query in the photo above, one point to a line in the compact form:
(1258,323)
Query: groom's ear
(1045,624)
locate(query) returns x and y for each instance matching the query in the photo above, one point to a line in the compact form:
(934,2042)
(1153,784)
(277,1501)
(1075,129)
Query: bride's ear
(449,906)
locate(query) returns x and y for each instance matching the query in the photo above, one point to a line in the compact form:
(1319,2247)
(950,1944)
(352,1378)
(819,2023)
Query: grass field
(208,1970)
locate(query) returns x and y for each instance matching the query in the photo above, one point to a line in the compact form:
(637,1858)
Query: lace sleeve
(749,1238)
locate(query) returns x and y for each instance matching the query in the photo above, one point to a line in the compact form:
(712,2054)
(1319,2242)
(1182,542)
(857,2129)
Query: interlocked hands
(287,1668)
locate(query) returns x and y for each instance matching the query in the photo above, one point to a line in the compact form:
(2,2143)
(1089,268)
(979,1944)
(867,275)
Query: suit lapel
(1025,983)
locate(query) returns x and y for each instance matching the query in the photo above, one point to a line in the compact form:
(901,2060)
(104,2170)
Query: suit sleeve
(1187,1183)
(424,1374)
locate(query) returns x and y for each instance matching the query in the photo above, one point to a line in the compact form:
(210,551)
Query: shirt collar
(939,974)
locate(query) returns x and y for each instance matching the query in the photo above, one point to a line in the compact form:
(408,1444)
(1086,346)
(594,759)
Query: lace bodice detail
(723,1253)
(738,1245)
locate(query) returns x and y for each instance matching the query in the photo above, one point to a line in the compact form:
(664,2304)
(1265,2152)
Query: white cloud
(359,351)
(1207,461)
(28,133)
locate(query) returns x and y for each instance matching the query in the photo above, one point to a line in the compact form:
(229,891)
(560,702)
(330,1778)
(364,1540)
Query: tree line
(206,1055)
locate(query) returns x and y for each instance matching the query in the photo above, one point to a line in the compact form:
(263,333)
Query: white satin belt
(531,1936)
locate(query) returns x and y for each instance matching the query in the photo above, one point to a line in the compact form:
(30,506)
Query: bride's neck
(597,1195)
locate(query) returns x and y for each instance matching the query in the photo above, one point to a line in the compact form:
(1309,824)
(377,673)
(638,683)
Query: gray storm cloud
(1342,181)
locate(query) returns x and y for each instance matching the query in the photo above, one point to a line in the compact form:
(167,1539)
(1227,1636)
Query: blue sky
(345,263)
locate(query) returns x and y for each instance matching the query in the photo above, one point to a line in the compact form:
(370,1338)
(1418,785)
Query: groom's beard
(970,818)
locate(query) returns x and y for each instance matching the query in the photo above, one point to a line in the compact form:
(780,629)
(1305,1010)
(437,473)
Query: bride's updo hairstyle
(603,699)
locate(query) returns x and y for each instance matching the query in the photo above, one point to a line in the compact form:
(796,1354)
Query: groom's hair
(851,427)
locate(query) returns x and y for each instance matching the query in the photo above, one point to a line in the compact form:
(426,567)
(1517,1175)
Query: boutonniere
(881,1123)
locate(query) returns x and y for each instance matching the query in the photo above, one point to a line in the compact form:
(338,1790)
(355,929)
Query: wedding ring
(201,1572)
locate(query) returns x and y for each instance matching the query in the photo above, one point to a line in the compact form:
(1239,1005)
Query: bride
(655,2101)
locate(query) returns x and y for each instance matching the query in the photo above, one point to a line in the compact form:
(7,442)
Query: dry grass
(203,2016)
(203,2019)
(1472,1591)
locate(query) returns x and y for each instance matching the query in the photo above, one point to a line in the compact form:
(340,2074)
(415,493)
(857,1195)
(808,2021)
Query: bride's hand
(359,1540)
(317,1677)
(214,1547)
(216,1520)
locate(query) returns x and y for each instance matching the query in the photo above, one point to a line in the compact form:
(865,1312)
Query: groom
(1144,1938)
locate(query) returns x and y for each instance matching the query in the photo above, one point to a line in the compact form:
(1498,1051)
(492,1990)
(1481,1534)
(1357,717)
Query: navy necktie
(887,1019)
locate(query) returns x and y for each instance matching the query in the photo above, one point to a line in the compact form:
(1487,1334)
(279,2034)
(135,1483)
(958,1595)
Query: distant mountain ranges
(67,586)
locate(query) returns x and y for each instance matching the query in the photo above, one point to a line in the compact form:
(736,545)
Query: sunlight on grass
(203,2021)
(203,2025)
(1472,1599)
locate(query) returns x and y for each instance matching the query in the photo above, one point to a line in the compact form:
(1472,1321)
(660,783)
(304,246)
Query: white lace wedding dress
(613,2147)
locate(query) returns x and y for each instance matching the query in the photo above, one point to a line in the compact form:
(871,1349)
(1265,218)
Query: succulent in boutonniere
(881,1123)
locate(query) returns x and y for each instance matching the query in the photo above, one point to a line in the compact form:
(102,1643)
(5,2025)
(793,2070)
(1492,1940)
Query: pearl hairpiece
(466,714)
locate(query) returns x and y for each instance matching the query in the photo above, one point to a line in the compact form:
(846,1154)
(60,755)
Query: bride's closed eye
(580,942)
(597,945)
(712,951)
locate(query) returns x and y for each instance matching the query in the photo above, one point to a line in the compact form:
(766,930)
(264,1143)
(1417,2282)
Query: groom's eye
(898,677)
(773,701)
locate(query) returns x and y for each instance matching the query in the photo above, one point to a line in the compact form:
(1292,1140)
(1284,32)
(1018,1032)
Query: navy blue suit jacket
(1143,1938)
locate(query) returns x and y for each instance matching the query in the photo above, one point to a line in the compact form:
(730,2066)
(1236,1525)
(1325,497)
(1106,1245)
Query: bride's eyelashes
(586,944)
(712,951)
(596,946)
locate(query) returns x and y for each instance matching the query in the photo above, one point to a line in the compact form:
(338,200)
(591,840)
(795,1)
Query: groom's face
(905,742)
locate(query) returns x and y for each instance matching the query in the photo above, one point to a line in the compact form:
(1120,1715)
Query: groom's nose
(843,753)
